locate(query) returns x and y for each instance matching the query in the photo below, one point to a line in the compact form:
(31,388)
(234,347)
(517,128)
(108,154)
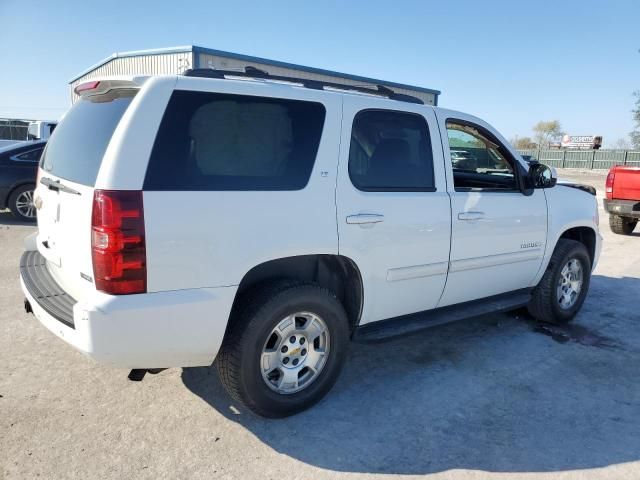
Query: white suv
(264,222)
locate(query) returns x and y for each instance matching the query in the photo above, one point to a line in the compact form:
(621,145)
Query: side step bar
(395,327)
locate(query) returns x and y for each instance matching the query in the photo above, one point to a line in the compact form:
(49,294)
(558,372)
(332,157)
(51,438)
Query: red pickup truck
(623,199)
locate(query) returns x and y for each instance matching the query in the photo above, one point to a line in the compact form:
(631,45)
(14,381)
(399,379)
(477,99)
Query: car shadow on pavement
(7,218)
(486,394)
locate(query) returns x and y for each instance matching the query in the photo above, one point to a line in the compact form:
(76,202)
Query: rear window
(75,150)
(211,141)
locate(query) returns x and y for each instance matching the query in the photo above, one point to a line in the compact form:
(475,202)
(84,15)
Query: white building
(178,59)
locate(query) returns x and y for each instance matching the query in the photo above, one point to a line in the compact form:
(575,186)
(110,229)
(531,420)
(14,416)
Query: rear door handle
(365,218)
(470,216)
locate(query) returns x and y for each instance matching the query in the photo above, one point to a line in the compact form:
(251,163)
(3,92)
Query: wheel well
(334,272)
(13,189)
(584,235)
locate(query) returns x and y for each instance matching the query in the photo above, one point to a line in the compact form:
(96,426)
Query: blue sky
(511,63)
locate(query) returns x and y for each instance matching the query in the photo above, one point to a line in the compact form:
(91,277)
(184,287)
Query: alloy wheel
(570,284)
(25,205)
(295,353)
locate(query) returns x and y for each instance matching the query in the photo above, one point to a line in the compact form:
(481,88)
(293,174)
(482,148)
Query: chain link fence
(12,129)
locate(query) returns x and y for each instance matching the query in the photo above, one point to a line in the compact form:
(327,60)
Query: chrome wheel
(570,283)
(24,204)
(295,353)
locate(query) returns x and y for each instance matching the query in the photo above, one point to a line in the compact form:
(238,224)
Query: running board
(407,324)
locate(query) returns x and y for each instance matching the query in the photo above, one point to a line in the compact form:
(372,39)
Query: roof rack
(256,73)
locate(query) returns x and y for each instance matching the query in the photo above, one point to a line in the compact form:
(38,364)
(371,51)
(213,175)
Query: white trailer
(40,129)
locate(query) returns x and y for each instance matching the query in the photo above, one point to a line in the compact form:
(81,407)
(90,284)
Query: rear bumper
(625,208)
(180,328)
(44,289)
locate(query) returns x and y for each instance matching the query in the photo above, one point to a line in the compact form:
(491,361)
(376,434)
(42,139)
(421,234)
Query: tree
(523,143)
(621,144)
(547,131)
(635,135)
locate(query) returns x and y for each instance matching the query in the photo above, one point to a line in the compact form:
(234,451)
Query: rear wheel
(284,348)
(622,225)
(21,203)
(563,287)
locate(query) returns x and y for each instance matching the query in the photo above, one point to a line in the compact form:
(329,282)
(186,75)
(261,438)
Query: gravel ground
(595,178)
(493,397)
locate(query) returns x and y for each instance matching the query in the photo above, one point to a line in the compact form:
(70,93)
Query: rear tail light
(118,242)
(609,185)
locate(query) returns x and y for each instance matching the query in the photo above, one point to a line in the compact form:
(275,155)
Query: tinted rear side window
(211,141)
(28,156)
(77,146)
(390,151)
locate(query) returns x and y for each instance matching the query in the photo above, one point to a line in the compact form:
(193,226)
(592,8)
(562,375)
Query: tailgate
(64,231)
(626,185)
(64,193)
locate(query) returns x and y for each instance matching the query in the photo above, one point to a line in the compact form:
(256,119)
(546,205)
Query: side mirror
(542,176)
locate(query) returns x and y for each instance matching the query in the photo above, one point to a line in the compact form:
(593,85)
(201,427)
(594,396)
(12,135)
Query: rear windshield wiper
(57,186)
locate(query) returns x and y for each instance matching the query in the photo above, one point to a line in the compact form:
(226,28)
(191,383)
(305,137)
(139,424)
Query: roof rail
(256,73)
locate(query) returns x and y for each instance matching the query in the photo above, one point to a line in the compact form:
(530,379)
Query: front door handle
(365,218)
(470,216)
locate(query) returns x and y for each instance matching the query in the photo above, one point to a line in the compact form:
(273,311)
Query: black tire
(13,203)
(544,305)
(622,225)
(255,316)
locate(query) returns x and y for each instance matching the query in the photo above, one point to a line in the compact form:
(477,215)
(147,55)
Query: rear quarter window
(29,156)
(210,141)
(75,150)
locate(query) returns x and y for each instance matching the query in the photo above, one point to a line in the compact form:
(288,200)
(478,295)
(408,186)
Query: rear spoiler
(100,87)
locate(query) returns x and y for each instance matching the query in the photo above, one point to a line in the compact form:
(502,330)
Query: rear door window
(390,152)
(75,150)
(211,141)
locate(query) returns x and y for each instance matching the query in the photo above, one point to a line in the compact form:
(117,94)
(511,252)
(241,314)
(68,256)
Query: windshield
(77,146)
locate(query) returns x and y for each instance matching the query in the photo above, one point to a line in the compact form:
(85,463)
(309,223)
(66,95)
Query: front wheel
(284,348)
(564,285)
